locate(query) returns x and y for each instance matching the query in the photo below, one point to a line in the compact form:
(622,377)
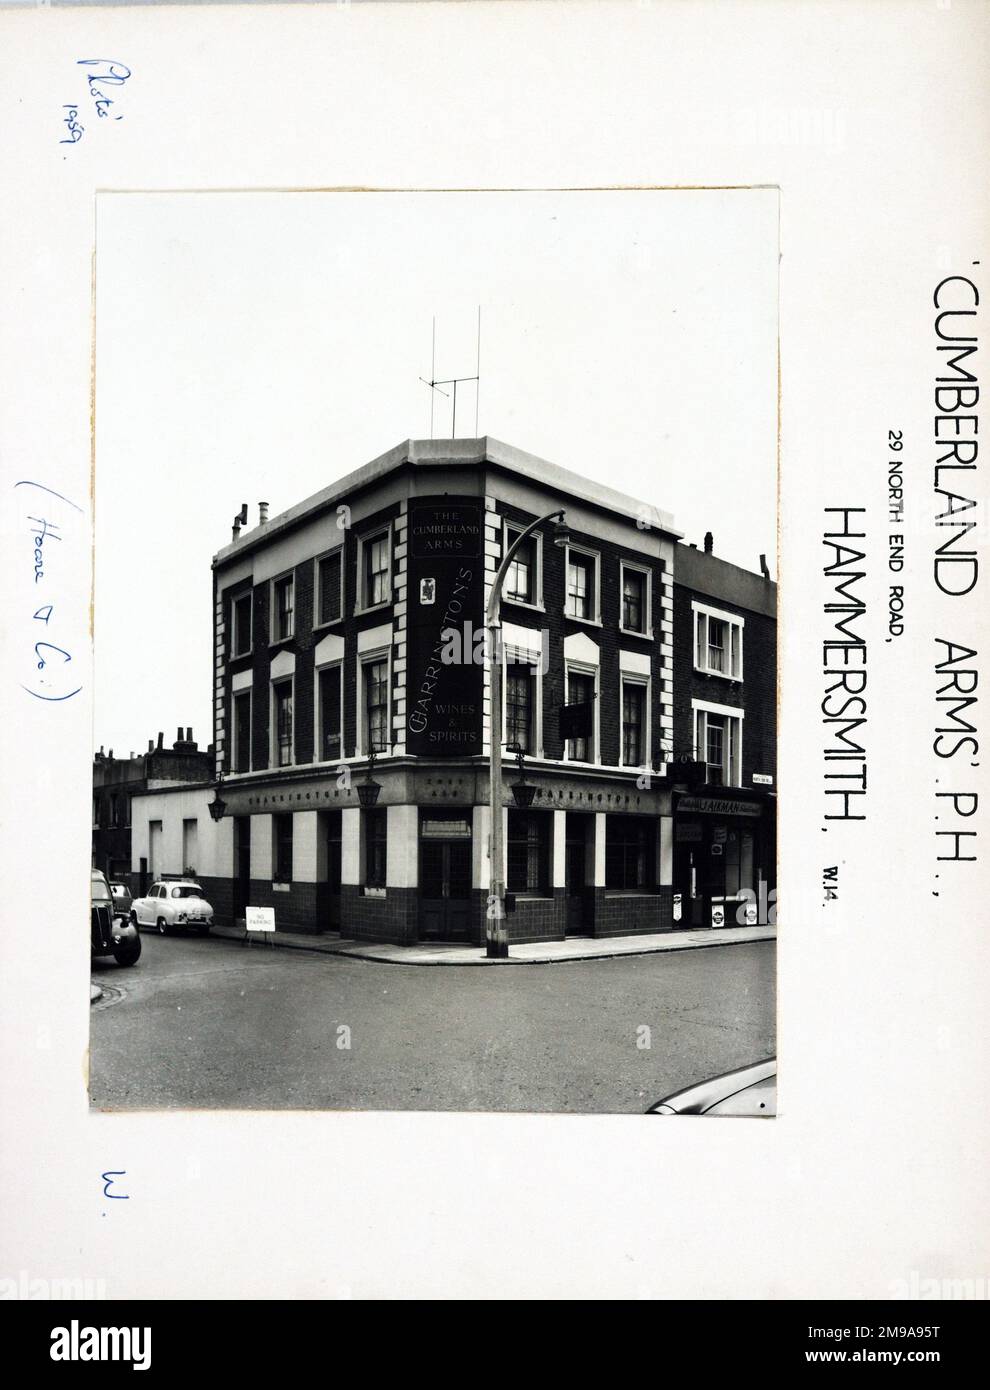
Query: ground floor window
(630,853)
(528,852)
(282,848)
(375,847)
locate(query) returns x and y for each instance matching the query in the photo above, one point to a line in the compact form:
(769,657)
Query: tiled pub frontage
(589,858)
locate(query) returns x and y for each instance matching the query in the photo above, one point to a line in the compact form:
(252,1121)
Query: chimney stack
(262,513)
(161,740)
(709,542)
(189,736)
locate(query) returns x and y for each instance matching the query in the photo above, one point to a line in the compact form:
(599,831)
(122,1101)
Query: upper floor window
(376,570)
(718,744)
(522,578)
(242,732)
(241,622)
(329,598)
(581,691)
(283,723)
(284,600)
(718,642)
(581,596)
(375,676)
(329,714)
(633,723)
(519,685)
(635,600)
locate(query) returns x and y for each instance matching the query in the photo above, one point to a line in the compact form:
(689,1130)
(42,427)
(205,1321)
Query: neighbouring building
(724,769)
(116,781)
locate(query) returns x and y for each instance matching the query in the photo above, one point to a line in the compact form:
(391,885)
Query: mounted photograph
(436,651)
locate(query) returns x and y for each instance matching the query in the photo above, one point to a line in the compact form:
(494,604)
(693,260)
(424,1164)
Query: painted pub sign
(445,627)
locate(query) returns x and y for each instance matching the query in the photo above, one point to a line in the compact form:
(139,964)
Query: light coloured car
(173,904)
(749,1091)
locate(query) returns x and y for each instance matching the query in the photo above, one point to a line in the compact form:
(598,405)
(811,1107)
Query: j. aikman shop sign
(445,593)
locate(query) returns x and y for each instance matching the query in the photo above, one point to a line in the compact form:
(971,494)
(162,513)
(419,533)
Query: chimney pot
(764,567)
(709,542)
(161,739)
(189,735)
(262,513)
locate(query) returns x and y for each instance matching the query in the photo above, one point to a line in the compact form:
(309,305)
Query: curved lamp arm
(491,616)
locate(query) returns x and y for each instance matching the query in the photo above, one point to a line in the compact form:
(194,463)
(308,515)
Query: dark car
(749,1091)
(121,899)
(109,936)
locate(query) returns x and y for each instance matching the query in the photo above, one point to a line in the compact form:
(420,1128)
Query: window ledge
(634,632)
(373,892)
(521,603)
(375,608)
(588,622)
(331,622)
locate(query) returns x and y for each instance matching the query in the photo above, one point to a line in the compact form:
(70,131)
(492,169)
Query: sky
(255,347)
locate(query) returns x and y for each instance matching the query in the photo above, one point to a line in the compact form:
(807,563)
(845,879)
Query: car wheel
(128,951)
(163,927)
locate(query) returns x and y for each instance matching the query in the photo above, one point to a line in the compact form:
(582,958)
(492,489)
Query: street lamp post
(496,938)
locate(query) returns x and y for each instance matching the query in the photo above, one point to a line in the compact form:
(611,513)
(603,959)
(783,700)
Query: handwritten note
(103,77)
(51,523)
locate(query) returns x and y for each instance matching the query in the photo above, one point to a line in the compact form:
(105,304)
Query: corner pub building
(351,699)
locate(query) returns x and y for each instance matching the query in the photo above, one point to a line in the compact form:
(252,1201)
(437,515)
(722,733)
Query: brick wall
(756,694)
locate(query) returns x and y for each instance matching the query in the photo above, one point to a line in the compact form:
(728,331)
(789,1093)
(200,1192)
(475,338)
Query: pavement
(533,953)
(204,1023)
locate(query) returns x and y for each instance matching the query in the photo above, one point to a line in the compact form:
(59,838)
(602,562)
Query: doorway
(578,910)
(242,865)
(444,876)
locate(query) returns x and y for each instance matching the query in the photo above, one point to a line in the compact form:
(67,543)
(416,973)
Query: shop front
(724,860)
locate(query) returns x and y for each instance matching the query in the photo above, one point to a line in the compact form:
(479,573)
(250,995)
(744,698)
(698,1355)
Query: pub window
(581,600)
(282,848)
(718,744)
(718,643)
(329,713)
(581,691)
(376,586)
(633,723)
(328,583)
(528,853)
(284,600)
(242,732)
(241,619)
(375,727)
(522,578)
(519,686)
(375,847)
(635,600)
(630,853)
(283,723)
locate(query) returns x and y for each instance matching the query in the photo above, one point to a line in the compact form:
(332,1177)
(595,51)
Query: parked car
(121,900)
(109,936)
(750,1091)
(171,904)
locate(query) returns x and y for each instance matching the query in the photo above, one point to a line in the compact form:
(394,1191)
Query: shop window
(329,575)
(630,853)
(282,848)
(528,853)
(284,602)
(241,620)
(718,642)
(375,847)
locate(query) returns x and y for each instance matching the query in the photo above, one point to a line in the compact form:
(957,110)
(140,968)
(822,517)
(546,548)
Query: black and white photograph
(447,640)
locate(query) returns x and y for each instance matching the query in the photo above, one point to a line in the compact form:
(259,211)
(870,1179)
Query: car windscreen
(187,891)
(100,893)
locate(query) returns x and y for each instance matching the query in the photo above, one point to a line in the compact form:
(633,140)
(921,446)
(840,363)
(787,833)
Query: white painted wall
(214,842)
